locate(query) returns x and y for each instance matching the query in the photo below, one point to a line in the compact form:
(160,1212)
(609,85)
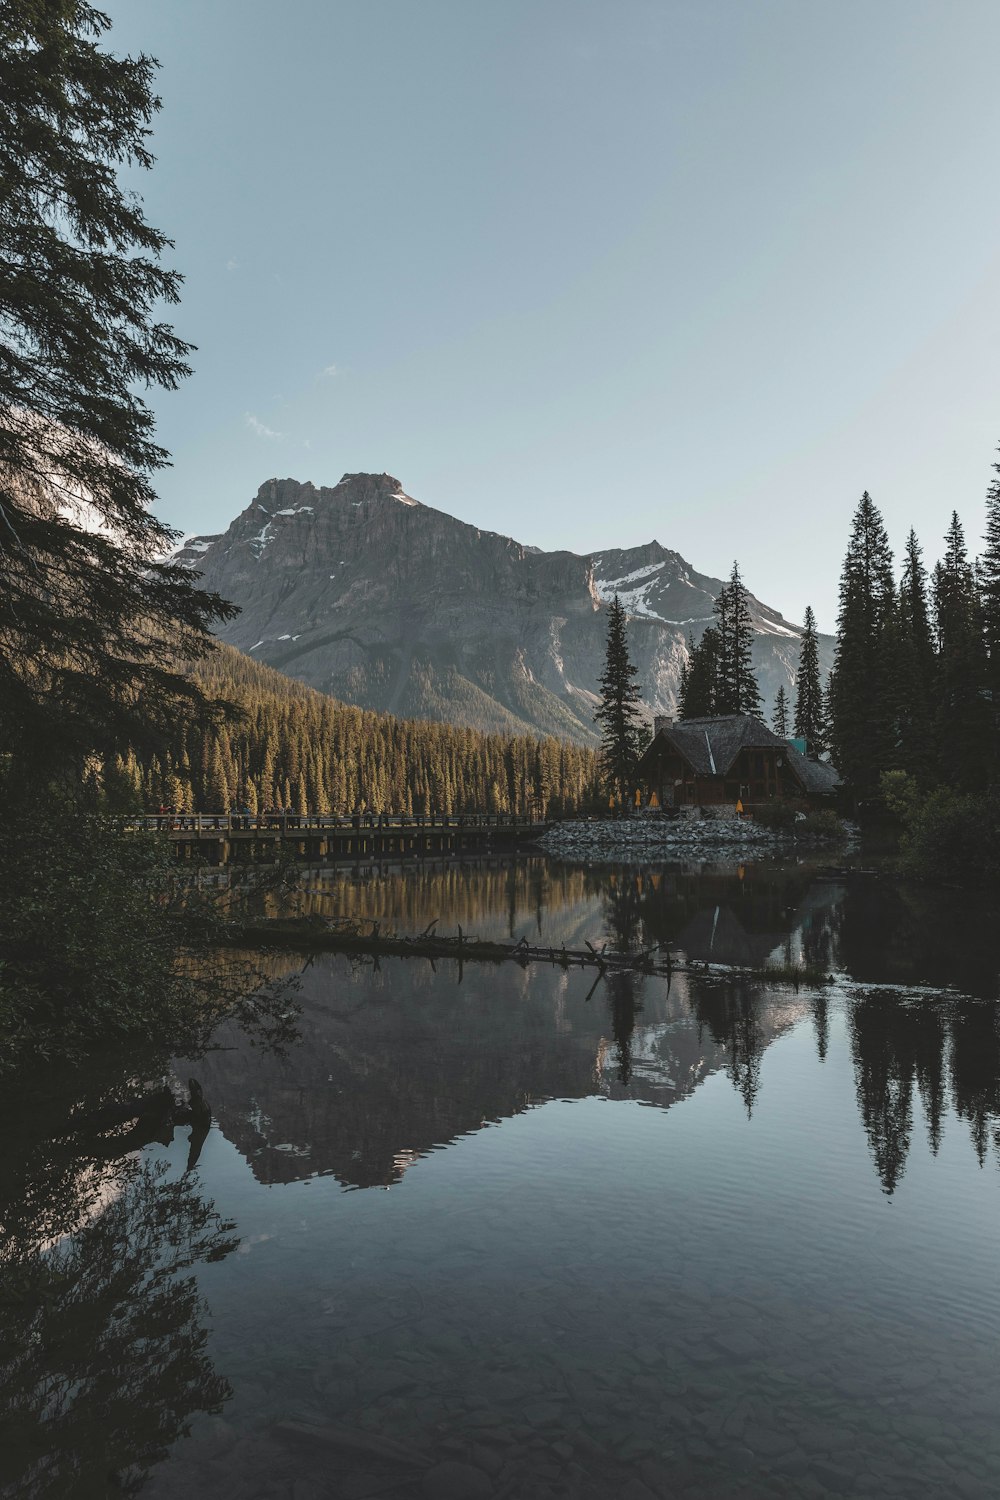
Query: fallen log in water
(308,934)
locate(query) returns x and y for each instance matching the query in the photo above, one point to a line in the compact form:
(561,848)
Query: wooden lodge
(725,760)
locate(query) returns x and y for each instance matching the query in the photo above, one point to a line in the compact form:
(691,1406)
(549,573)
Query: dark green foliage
(989,585)
(916,675)
(621,726)
(290,746)
(912,694)
(810,713)
(779,815)
(863,719)
(719,676)
(700,685)
(964,720)
(90,624)
(823,823)
(96,942)
(738,692)
(779,719)
(954,838)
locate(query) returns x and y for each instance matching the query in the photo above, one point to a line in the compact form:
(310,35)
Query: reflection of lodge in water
(726,913)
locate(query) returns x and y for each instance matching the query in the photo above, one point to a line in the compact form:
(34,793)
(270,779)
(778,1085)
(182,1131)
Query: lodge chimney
(661,721)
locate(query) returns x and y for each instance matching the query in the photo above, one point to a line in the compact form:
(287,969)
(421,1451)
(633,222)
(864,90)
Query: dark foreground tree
(964,716)
(91,624)
(622,730)
(699,694)
(916,674)
(989,584)
(738,692)
(810,714)
(989,594)
(862,689)
(779,720)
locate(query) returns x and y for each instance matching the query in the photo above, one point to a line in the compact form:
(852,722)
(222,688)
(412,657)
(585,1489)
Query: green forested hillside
(294,747)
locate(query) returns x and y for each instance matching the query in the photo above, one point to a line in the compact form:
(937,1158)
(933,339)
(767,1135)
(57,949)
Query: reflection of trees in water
(975,1072)
(623,924)
(405,897)
(735,914)
(102,1353)
(820,1007)
(905,1051)
(909,1056)
(732,1015)
(912,1060)
(102,1343)
(899,934)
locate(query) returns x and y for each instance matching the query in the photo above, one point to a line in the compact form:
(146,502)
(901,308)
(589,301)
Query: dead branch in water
(346,936)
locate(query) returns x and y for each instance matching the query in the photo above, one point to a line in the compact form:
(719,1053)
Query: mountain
(367,594)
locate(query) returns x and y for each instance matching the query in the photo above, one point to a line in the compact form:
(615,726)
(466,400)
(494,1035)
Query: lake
(508,1232)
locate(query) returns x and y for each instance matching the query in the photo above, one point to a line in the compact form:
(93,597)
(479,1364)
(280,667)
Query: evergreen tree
(738,692)
(916,670)
(989,566)
(700,686)
(862,692)
(90,624)
(622,730)
(964,720)
(684,684)
(989,595)
(779,721)
(810,717)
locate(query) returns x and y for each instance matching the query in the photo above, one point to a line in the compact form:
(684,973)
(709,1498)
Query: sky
(588,272)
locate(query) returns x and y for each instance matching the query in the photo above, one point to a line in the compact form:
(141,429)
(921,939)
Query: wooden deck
(223,837)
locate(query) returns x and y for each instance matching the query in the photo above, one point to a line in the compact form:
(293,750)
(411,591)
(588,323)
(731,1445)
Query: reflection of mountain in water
(396,1062)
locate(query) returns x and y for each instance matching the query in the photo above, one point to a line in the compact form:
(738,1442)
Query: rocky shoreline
(654,838)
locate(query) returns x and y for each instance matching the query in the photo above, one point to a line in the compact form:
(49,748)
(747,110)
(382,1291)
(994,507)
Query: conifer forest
(283,745)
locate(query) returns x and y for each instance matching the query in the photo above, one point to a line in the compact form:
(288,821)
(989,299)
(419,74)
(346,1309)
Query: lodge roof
(710,746)
(818,777)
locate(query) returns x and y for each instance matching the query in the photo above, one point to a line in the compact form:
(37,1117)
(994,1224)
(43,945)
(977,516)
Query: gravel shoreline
(661,837)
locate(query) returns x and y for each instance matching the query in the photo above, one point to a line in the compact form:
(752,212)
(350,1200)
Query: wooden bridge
(245,837)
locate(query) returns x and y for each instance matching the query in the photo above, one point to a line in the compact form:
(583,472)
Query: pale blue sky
(588,271)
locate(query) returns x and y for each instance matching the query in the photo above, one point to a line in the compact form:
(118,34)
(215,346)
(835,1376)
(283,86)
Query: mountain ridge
(366,593)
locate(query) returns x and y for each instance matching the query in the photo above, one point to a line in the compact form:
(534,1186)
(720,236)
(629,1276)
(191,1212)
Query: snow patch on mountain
(260,541)
(634,601)
(771,627)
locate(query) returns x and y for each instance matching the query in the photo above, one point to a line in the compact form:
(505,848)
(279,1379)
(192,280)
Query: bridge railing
(319,823)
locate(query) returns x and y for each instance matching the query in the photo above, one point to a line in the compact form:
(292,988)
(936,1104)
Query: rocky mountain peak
(370,595)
